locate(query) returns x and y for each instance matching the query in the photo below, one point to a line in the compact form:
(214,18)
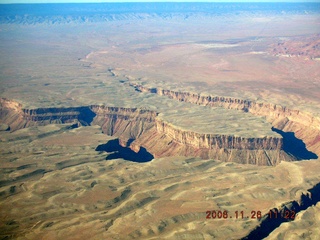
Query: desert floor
(54,184)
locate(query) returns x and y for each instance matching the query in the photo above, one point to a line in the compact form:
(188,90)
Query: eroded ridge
(211,141)
(304,125)
(138,128)
(272,111)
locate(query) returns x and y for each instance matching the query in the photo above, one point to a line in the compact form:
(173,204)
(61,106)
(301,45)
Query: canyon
(133,121)
(143,128)
(304,125)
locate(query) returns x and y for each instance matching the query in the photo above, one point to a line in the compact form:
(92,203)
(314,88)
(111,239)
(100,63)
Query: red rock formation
(12,114)
(127,123)
(142,128)
(298,46)
(304,125)
(211,141)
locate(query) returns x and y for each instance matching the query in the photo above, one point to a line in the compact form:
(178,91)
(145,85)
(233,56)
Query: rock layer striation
(304,125)
(138,128)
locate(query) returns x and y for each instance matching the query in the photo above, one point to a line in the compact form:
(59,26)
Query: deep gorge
(143,129)
(294,125)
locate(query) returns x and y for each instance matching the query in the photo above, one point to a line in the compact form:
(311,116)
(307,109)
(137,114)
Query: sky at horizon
(119,1)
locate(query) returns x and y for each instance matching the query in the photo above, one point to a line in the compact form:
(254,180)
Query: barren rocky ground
(143,125)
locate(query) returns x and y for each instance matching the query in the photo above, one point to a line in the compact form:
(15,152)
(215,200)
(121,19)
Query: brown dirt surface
(54,184)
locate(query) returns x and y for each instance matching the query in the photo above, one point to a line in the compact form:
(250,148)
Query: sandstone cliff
(211,141)
(127,123)
(304,125)
(143,128)
(16,117)
(272,111)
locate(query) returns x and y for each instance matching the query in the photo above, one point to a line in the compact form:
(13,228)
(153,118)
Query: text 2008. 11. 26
(218,214)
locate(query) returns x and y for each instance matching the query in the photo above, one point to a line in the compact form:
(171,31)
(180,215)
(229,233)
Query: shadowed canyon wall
(12,114)
(139,128)
(285,213)
(305,126)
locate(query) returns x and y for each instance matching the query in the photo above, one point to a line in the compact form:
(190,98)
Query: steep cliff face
(83,115)
(127,123)
(304,125)
(162,145)
(16,117)
(272,111)
(211,141)
(138,128)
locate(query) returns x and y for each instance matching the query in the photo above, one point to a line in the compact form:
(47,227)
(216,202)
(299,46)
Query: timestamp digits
(218,214)
(287,214)
(272,214)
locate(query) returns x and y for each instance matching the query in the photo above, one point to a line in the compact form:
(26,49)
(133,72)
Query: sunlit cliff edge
(144,128)
(304,125)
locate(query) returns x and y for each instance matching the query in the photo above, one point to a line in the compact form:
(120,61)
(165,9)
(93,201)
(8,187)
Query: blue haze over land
(94,12)
(115,1)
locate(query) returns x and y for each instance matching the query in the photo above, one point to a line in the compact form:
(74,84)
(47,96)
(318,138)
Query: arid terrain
(132,121)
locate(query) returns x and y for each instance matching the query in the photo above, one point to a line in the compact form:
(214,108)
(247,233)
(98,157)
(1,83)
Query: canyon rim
(160,121)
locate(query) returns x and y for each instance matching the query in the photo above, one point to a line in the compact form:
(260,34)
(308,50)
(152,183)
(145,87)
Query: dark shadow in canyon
(86,116)
(272,221)
(294,146)
(117,151)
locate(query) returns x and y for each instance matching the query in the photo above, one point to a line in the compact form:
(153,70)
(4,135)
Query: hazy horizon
(145,1)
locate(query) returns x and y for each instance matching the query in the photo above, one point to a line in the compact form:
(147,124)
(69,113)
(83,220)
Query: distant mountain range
(99,12)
